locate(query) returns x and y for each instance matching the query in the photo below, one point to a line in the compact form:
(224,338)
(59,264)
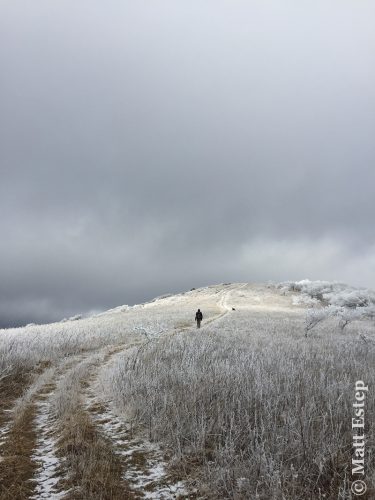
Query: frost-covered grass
(250,406)
(22,348)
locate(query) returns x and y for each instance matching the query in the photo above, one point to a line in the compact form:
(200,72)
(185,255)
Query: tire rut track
(144,465)
(89,468)
(46,476)
(27,461)
(223,304)
(17,466)
(13,386)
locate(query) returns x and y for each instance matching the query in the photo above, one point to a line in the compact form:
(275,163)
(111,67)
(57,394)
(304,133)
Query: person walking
(198,318)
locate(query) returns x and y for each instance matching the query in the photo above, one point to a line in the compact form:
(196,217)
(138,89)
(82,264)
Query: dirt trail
(223,302)
(143,463)
(46,475)
(21,435)
(63,438)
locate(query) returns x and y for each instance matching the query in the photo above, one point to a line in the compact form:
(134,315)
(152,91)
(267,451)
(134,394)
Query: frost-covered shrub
(76,317)
(72,318)
(304,300)
(342,301)
(161,297)
(351,298)
(313,289)
(313,317)
(346,315)
(368,312)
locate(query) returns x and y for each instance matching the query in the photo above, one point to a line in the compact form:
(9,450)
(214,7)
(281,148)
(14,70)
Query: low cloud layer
(153,147)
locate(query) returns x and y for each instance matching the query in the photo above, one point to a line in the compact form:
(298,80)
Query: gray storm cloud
(149,147)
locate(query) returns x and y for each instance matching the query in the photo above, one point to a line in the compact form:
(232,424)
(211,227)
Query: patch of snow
(3,434)
(45,454)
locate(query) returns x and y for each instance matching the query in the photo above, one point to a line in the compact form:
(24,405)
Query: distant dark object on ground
(198,318)
(191,289)
(233,309)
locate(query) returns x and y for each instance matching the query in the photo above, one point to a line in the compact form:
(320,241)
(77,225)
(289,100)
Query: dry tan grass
(16,467)
(95,472)
(11,388)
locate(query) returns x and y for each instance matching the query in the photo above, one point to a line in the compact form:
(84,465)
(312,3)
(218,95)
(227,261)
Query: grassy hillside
(138,403)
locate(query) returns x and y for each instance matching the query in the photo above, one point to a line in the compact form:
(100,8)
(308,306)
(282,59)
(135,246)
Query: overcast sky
(154,146)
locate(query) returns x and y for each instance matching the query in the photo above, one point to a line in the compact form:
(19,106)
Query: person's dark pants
(199,323)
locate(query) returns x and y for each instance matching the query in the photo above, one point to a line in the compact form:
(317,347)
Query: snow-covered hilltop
(33,343)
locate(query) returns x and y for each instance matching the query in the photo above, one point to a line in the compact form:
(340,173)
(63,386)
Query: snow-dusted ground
(45,455)
(3,433)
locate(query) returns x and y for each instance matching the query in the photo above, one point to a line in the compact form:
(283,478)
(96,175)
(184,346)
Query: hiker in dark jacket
(198,318)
